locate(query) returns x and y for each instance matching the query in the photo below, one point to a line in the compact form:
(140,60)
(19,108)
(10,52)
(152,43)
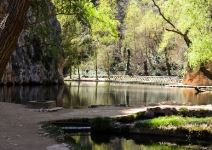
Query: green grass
(173,121)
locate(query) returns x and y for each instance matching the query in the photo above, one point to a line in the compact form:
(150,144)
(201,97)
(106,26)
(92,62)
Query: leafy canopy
(194,16)
(85,26)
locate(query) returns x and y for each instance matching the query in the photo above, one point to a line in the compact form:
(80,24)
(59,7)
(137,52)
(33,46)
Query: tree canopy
(191,17)
(150,31)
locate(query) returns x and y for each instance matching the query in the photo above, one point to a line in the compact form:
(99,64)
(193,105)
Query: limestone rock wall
(38,55)
(200,77)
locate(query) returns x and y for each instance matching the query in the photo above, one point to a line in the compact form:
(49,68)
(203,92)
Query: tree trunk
(206,72)
(146,73)
(108,66)
(70,72)
(78,70)
(96,66)
(128,62)
(10,32)
(168,66)
(186,39)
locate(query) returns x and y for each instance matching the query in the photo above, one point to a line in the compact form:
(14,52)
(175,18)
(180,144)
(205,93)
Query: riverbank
(20,126)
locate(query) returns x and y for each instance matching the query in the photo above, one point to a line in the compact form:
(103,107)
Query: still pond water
(84,94)
(83,141)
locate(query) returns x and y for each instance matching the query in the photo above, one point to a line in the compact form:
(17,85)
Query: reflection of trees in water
(106,142)
(141,95)
(79,94)
(67,98)
(73,99)
(90,95)
(85,94)
(99,143)
(96,91)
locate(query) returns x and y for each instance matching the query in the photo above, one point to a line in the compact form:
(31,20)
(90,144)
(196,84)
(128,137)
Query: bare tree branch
(175,29)
(166,19)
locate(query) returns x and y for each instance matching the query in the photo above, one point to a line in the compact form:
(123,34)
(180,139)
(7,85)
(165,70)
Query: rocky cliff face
(199,77)
(38,56)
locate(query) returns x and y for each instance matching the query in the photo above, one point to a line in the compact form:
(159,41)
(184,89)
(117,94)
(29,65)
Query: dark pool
(85,141)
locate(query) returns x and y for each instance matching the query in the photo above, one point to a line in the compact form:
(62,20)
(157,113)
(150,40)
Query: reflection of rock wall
(35,59)
(23,94)
(190,97)
(202,76)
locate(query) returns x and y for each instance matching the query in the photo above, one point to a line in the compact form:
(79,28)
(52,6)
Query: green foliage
(90,33)
(194,16)
(96,18)
(103,23)
(201,50)
(143,34)
(85,28)
(173,121)
(41,29)
(134,23)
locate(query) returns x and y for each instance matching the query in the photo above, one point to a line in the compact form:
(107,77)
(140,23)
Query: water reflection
(88,142)
(84,94)
(23,94)
(81,94)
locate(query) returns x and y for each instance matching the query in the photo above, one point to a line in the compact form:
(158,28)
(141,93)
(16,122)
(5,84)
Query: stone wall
(38,55)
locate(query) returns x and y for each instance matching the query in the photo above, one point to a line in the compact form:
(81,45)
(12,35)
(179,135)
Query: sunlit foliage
(194,16)
(86,26)
(91,27)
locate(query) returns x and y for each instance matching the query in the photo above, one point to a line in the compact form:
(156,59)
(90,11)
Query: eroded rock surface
(202,76)
(37,57)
